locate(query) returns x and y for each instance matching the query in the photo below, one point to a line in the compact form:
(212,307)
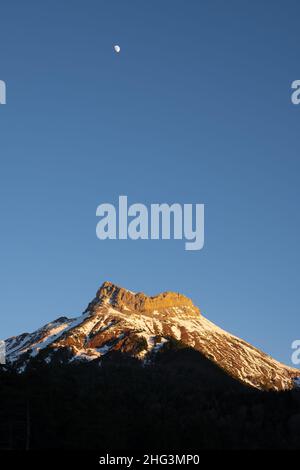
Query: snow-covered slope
(141,326)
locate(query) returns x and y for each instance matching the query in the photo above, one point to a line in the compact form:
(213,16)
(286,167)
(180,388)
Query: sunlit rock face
(142,327)
(167,303)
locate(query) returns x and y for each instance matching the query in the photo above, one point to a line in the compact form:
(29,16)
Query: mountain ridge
(140,326)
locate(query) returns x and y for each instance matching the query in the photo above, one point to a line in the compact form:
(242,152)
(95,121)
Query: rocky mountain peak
(125,300)
(142,327)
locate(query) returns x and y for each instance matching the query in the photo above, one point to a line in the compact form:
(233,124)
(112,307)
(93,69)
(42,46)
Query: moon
(117,48)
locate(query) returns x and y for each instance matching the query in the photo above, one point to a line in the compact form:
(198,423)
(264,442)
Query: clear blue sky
(196,108)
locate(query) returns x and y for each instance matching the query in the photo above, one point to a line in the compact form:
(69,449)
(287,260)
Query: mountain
(142,327)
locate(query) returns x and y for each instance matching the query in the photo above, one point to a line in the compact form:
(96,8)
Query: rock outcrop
(125,300)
